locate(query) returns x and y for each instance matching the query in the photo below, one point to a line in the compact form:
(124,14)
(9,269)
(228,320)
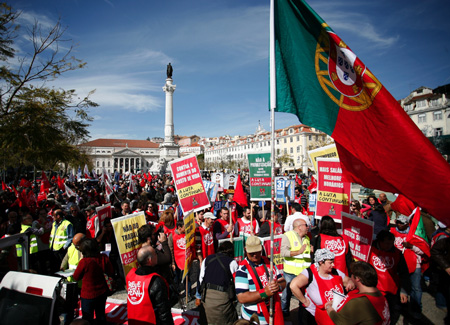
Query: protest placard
(329,151)
(230,183)
(189,184)
(260,170)
(211,189)
(104,212)
(285,188)
(359,234)
(333,193)
(126,233)
(189,226)
(219,179)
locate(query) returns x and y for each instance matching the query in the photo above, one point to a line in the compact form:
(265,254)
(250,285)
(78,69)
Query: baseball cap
(209,215)
(402,219)
(253,244)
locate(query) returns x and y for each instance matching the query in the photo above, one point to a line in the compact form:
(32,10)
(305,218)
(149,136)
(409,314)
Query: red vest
(179,249)
(245,228)
(263,278)
(410,256)
(435,237)
(223,225)
(139,305)
(339,247)
(385,263)
(168,231)
(92,226)
(207,241)
(380,304)
(326,288)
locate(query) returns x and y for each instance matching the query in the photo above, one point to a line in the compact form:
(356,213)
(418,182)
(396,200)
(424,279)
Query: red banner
(189,184)
(104,212)
(359,233)
(333,193)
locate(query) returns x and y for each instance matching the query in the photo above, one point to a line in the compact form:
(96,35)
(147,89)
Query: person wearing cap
(92,222)
(206,236)
(296,252)
(366,304)
(413,256)
(319,280)
(253,287)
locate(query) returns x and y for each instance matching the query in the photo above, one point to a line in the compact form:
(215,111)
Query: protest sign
(104,212)
(189,184)
(329,151)
(312,202)
(211,189)
(260,170)
(359,234)
(284,188)
(218,178)
(189,226)
(333,193)
(126,233)
(230,183)
(277,258)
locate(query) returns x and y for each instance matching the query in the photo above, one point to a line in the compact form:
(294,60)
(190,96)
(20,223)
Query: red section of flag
(417,237)
(403,205)
(24,183)
(239,195)
(45,184)
(4,187)
(60,183)
(313,187)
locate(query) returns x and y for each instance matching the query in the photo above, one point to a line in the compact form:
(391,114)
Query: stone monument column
(169,150)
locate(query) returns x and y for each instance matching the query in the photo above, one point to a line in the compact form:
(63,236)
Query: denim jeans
(287,293)
(88,306)
(416,293)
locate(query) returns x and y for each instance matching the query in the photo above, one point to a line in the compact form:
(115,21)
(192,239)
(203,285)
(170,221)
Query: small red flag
(239,195)
(45,184)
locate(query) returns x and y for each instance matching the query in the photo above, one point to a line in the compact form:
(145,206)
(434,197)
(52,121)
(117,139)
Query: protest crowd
(315,263)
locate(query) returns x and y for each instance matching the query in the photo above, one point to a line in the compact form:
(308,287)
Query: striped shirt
(243,283)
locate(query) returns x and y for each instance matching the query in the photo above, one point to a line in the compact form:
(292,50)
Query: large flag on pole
(320,79)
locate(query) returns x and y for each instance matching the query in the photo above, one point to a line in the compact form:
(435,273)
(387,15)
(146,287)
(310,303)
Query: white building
(430,110)
(122,155)
(291,142)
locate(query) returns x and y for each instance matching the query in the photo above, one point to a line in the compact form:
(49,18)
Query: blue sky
(219,52)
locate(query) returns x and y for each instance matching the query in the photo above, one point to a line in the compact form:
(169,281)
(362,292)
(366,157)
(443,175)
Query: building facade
(291,146)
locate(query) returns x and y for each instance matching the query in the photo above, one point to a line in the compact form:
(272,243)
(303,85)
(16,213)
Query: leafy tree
(39,125)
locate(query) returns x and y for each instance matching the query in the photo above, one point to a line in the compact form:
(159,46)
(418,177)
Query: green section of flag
(297,32)
(420,230)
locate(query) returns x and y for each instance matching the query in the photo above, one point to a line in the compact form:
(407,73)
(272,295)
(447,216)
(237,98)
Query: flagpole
(273,102)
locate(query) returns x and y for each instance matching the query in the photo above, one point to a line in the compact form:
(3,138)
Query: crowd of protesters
(317,262)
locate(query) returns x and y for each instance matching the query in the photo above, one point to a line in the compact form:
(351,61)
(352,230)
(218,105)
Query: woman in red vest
(329,238)
(319,280)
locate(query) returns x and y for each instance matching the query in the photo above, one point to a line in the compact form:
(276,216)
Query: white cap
(209,215)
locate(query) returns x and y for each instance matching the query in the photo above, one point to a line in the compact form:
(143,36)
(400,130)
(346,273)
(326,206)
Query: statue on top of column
(169,71)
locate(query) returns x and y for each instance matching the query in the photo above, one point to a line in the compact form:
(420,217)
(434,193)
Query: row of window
(436,117)
(423,104)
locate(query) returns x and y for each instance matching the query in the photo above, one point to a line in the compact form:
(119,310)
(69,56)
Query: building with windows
(430,111)
(122,155)
(291,148)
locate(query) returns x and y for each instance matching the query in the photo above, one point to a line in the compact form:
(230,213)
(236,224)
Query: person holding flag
(411,241)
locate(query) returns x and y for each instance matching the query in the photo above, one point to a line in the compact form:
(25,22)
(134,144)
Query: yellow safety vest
(59,235)
(294,265)
(74,258)
(33,242)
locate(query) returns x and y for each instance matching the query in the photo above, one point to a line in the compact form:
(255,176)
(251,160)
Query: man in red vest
(254,287)
(206,236)
(222,227)
(92,222)
(366,304)
(392,272)
(147,292)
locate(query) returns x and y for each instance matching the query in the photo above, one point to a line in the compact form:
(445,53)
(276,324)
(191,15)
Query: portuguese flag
(320,79)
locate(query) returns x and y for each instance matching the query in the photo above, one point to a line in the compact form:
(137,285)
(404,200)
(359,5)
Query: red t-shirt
(91,270)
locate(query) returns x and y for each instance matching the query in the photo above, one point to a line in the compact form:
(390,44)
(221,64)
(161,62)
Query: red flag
(60,183)
(417,236)
(45,184)
(15,191)
(24,183)
(239,195)
(379,145)
(403,205)
(313,187)
(4,187)
(298,180)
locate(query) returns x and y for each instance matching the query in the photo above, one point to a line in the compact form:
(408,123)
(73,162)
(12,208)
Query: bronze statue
(169,71)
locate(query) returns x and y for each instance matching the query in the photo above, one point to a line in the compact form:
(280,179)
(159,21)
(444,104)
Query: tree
(39,125)
(284,159)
